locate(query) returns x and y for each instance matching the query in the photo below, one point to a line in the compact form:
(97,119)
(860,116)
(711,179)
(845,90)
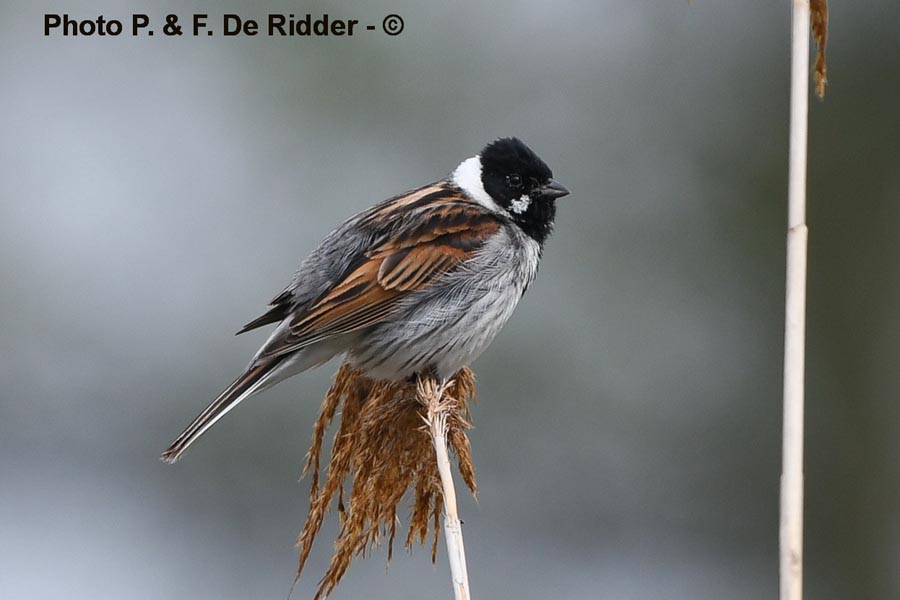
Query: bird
(419,283)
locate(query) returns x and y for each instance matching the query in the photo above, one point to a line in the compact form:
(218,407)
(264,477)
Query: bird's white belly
(445,342)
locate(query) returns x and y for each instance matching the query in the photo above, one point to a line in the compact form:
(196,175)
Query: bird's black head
(521,184)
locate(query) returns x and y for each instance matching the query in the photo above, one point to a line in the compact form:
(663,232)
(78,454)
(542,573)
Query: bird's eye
(514,180)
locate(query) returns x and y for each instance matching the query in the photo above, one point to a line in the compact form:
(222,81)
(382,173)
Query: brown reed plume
(381,449)
(819,20)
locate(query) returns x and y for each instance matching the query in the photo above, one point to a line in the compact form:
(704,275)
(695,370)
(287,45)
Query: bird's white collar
(467,177)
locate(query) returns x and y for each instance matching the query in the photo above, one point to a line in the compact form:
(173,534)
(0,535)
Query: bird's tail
(250,382)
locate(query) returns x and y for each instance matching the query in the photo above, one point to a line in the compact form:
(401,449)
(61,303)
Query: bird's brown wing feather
(380,217)
(422,246)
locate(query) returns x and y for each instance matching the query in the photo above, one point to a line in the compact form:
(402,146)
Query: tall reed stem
(791,526)
(436,418)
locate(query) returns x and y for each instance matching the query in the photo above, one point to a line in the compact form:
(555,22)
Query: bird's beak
(554,190)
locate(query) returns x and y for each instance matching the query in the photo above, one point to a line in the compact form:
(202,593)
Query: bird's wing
(419,244)
(338,251)
(279,308)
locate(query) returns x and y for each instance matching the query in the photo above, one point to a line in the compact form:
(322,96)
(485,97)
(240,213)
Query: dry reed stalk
(791,525)
(431,394)
(381,449)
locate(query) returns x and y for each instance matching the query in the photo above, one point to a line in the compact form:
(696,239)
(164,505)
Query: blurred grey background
(156,192)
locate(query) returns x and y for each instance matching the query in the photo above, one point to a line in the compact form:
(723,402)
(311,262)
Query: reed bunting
(421,282)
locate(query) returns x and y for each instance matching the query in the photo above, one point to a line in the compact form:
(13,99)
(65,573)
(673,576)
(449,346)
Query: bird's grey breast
(450,323)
